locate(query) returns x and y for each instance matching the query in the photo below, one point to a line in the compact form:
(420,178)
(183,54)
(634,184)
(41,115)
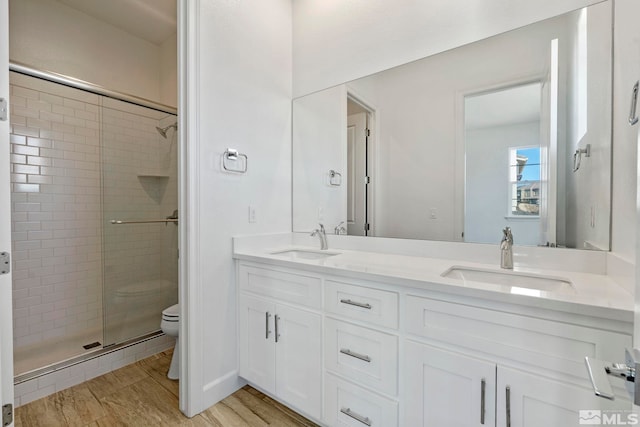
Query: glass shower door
(140,233)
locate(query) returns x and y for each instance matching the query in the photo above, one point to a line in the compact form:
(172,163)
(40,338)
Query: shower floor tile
(52,351)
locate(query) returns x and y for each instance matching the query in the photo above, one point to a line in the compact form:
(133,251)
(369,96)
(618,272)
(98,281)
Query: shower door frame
(6,323)
(16,67)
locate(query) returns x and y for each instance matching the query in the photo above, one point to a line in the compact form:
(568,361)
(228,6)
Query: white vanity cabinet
(447,388)
(280,345)
(356,351)
(530,370)
(361,349)
(527,399)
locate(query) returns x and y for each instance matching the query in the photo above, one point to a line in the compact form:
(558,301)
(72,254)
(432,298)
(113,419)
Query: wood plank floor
(141,395)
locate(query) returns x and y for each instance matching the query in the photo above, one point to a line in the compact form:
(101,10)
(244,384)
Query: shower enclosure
(94,219)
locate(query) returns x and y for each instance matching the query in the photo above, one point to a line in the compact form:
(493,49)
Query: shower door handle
(633,117)
(3,109)
(5,263)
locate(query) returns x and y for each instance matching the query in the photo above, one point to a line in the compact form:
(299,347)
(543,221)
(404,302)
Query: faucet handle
(507,234)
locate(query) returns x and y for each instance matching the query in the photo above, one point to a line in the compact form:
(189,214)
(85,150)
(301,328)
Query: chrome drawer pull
(508,404)
(266,323)
(348,412)
(633,118)
(356,355)
(483,386)
(357,304)
(276,317)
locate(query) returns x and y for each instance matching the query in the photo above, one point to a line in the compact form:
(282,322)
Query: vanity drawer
(364,355)
(361,303)
(552,345)
(349,405)
(283,286)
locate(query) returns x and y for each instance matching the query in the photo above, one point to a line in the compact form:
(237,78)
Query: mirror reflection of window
(503,163)
(524,181)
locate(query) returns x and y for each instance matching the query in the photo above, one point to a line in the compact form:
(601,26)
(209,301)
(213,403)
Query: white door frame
(460,160)
(189,289)
(372,156)
(6,322)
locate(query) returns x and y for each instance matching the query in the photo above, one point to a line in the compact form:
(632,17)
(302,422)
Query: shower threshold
(45,370)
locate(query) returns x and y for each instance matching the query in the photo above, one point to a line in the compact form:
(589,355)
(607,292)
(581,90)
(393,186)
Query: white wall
(49,35)
(320,145)
(169,71)
(236,92)
(589,188)
(336,41)
(486,185)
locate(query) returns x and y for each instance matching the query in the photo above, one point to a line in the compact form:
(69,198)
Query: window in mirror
(524,181)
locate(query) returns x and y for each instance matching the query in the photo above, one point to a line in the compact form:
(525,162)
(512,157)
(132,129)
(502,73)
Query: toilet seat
(170,325)
(171,314)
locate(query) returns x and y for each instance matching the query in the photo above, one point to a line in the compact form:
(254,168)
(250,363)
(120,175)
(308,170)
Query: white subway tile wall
(66,166)
(56,217)
(140,184)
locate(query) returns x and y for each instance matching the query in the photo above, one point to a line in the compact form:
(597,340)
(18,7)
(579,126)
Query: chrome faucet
(340,229)
(323,237)
(506,249)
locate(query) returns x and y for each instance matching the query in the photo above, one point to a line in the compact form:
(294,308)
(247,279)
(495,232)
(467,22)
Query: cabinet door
(257,348)
(535,401)
(299,359)
(444,388)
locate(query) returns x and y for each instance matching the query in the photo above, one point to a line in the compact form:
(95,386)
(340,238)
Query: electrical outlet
(252,214)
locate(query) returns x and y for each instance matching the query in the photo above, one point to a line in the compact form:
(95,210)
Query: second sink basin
(510,278)
(304,254)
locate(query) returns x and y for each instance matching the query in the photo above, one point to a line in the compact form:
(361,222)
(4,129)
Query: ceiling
(519,104)
(151,20)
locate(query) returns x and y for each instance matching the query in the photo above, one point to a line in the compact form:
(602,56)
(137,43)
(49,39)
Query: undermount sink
(516,280)
(304,254)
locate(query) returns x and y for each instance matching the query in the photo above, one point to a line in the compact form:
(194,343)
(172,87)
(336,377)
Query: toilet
(170,325)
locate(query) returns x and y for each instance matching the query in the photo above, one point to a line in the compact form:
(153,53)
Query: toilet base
(174,369)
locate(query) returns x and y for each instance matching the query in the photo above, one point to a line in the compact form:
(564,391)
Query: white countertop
(590,294)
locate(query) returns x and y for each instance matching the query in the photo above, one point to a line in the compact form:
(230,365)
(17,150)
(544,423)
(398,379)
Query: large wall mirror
(513,130)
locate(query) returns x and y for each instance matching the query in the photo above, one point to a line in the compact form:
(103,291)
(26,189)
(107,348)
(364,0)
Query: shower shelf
(153,174)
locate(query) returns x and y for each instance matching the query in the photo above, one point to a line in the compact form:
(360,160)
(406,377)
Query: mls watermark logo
(596,417)
(590,417)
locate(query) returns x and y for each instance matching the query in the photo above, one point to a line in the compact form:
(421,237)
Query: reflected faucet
(506,249)
(340,229)
(323,237)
